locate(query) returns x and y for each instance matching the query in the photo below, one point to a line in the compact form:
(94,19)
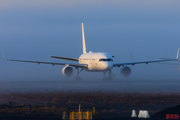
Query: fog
(33,30)
(136,86)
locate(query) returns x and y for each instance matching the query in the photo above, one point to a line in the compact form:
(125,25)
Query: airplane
(94,62)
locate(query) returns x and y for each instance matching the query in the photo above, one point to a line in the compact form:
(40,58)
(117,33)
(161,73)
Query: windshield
(102,59)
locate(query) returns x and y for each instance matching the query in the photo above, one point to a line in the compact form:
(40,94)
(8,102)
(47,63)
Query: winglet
(83,39)
(177,54)
(3,54)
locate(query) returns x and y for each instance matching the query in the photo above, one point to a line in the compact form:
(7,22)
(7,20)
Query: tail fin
(83,40)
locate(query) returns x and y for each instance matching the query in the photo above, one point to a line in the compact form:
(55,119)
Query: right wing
(52,63)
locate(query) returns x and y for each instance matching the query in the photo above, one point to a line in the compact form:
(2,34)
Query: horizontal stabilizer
(65,58)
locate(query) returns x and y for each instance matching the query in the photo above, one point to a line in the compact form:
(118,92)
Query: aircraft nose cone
(108,65)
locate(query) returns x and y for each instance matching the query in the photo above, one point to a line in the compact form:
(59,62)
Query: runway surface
(154,86)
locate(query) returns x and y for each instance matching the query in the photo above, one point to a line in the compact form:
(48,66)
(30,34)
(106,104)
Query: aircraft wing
(146,62)
(142,62)
(52,63)
(169,63)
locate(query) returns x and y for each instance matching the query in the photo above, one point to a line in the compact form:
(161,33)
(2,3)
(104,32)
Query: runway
(90,86)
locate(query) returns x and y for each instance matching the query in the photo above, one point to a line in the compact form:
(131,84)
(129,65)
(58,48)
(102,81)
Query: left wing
(169,63)
(146,62)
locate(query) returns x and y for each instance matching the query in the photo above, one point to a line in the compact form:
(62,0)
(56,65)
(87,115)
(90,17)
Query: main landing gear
(77,78)
(109,78)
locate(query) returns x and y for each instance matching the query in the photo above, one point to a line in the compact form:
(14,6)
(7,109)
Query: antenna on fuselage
(83,39)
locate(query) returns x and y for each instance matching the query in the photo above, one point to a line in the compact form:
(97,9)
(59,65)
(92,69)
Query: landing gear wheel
(109,78)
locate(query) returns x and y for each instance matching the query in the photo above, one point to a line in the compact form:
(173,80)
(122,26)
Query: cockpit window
(102,59)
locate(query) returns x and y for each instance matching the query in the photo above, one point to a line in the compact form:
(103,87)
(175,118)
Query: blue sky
(35,30)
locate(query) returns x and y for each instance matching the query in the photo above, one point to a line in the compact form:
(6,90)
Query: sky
(35,30)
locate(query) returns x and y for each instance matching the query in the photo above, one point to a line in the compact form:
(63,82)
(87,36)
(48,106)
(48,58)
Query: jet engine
(125,71)
(67,71)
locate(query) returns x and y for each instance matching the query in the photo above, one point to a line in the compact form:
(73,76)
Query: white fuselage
(97,61)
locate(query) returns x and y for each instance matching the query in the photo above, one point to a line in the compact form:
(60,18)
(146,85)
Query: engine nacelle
(125,71)
(67,71)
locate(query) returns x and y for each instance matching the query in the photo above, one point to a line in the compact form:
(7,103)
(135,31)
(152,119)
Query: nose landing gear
(109,78)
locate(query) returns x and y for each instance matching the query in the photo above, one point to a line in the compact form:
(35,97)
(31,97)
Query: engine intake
(67,71)
(125,71)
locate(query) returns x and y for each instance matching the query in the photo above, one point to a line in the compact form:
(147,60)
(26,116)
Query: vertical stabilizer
(83,40)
